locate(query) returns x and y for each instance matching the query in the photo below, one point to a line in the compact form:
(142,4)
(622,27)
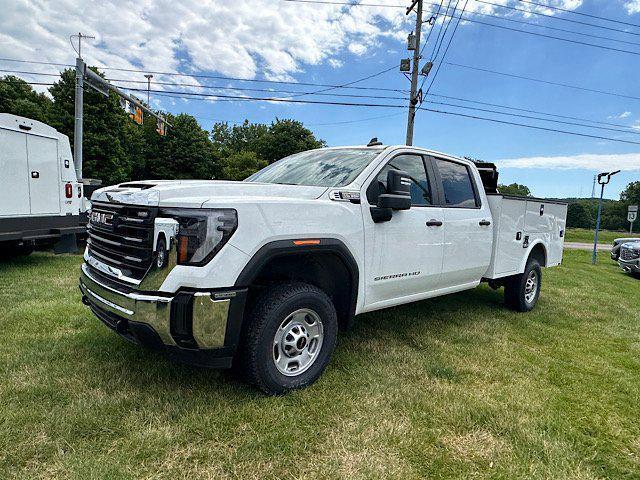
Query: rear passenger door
(468,229)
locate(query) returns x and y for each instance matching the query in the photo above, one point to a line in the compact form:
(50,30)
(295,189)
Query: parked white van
(41,199)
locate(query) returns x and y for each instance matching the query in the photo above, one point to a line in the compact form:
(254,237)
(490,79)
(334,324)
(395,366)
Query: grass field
(456,387)
(604,236)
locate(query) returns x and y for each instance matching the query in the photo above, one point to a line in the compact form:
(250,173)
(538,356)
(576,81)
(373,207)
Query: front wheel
(288,338)
(521,292)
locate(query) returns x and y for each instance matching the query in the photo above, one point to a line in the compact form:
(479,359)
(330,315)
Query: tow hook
(85,300)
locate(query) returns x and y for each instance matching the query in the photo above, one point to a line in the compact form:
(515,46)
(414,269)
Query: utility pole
(78,122)
(593,189)
(413,99)
(148,76)
(603,179)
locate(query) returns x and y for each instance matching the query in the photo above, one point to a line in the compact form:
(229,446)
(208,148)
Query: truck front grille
(122,236)
(628,254)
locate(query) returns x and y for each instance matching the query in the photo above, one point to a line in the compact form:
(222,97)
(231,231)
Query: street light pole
(603,179)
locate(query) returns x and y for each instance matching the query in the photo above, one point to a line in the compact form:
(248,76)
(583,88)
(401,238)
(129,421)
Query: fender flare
(280,248)
(525,258)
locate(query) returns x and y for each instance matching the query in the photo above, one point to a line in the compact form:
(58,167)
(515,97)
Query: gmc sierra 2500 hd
(262,274)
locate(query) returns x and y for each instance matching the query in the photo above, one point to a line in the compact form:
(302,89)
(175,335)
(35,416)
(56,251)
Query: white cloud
(623,161)
(335,63)
(241,39)
(245,38)
(632,6)
(619,116)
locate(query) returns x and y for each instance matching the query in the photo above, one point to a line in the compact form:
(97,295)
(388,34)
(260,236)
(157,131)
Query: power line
(219,87)
(548,82)
(357,96)
(443,112)
(532,24)
(552,7)
(215,77)
(546,129)
(508,107)
(546,15)
(531,117)
(435,75)
(578,42)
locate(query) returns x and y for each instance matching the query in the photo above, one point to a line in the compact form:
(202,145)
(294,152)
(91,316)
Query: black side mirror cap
(398,196)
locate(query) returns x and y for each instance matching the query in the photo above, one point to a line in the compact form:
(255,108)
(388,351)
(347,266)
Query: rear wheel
(521,292)
(288,338)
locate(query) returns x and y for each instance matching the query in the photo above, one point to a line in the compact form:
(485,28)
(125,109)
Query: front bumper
(630,266)
(197,327)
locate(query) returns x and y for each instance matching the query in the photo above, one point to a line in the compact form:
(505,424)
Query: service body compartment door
(509,246)
(556,247)
(14,172)
(44,175)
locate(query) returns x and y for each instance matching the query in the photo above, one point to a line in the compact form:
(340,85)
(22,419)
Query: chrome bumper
(629,265)
(207,313)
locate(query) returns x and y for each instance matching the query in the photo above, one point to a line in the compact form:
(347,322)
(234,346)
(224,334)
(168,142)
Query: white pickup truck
(262,274)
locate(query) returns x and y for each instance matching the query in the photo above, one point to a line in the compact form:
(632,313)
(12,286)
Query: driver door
(403,256)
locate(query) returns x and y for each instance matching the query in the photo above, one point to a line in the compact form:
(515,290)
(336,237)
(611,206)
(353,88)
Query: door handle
(484,223)
(434,223)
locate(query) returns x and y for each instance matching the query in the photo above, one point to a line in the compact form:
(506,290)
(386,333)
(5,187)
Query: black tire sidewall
(532,265)
(317,301)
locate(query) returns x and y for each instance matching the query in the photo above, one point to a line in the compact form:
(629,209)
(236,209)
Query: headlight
(202,232)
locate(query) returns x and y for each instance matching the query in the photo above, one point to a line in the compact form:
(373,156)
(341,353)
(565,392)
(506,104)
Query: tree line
(115,149)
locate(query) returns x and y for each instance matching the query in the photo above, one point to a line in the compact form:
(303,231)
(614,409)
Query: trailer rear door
(44,176)
(14,194)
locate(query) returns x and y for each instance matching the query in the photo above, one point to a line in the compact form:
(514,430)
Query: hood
(194,193)
(633,245)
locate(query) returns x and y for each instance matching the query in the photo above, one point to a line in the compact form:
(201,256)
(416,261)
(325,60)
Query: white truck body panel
(520,224)
(35,159)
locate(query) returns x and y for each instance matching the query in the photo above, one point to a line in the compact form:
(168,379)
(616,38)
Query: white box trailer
(41,200)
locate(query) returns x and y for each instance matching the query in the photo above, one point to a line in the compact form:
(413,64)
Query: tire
(289,323)
(162,256)
(518,289)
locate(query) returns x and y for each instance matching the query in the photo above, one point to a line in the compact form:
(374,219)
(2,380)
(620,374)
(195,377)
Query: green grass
(455,387)
(585,235)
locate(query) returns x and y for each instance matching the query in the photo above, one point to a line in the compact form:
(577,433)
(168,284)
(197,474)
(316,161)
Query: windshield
(319,168)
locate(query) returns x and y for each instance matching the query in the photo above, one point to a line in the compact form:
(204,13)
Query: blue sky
(340,45)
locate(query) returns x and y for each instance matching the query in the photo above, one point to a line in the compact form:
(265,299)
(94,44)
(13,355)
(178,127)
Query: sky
(300,43)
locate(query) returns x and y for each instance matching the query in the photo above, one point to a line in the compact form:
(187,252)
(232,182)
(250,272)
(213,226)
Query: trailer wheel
(288,338)
(521,292)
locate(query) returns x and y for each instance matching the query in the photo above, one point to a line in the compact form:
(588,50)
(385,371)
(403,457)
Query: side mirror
(398,196)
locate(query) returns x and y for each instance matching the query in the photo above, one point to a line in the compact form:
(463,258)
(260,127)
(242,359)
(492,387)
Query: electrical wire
(560,9)
(219,87)
(568,40)
(547,82)
(443,112)
(548,27)
(215,77)
(435,75)
(546,15)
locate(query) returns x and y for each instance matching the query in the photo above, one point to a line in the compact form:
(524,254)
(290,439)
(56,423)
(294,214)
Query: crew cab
(262,274)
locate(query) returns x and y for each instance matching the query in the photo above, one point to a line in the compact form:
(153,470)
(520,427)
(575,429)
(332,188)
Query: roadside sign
(632,216)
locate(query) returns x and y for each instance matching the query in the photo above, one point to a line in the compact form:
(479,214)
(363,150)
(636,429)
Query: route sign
(632,216)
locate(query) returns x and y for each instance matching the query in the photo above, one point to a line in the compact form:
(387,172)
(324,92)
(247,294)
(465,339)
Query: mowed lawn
(585,235)
(456,387)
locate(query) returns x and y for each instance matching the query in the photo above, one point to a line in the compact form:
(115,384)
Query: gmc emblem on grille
(99,218)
